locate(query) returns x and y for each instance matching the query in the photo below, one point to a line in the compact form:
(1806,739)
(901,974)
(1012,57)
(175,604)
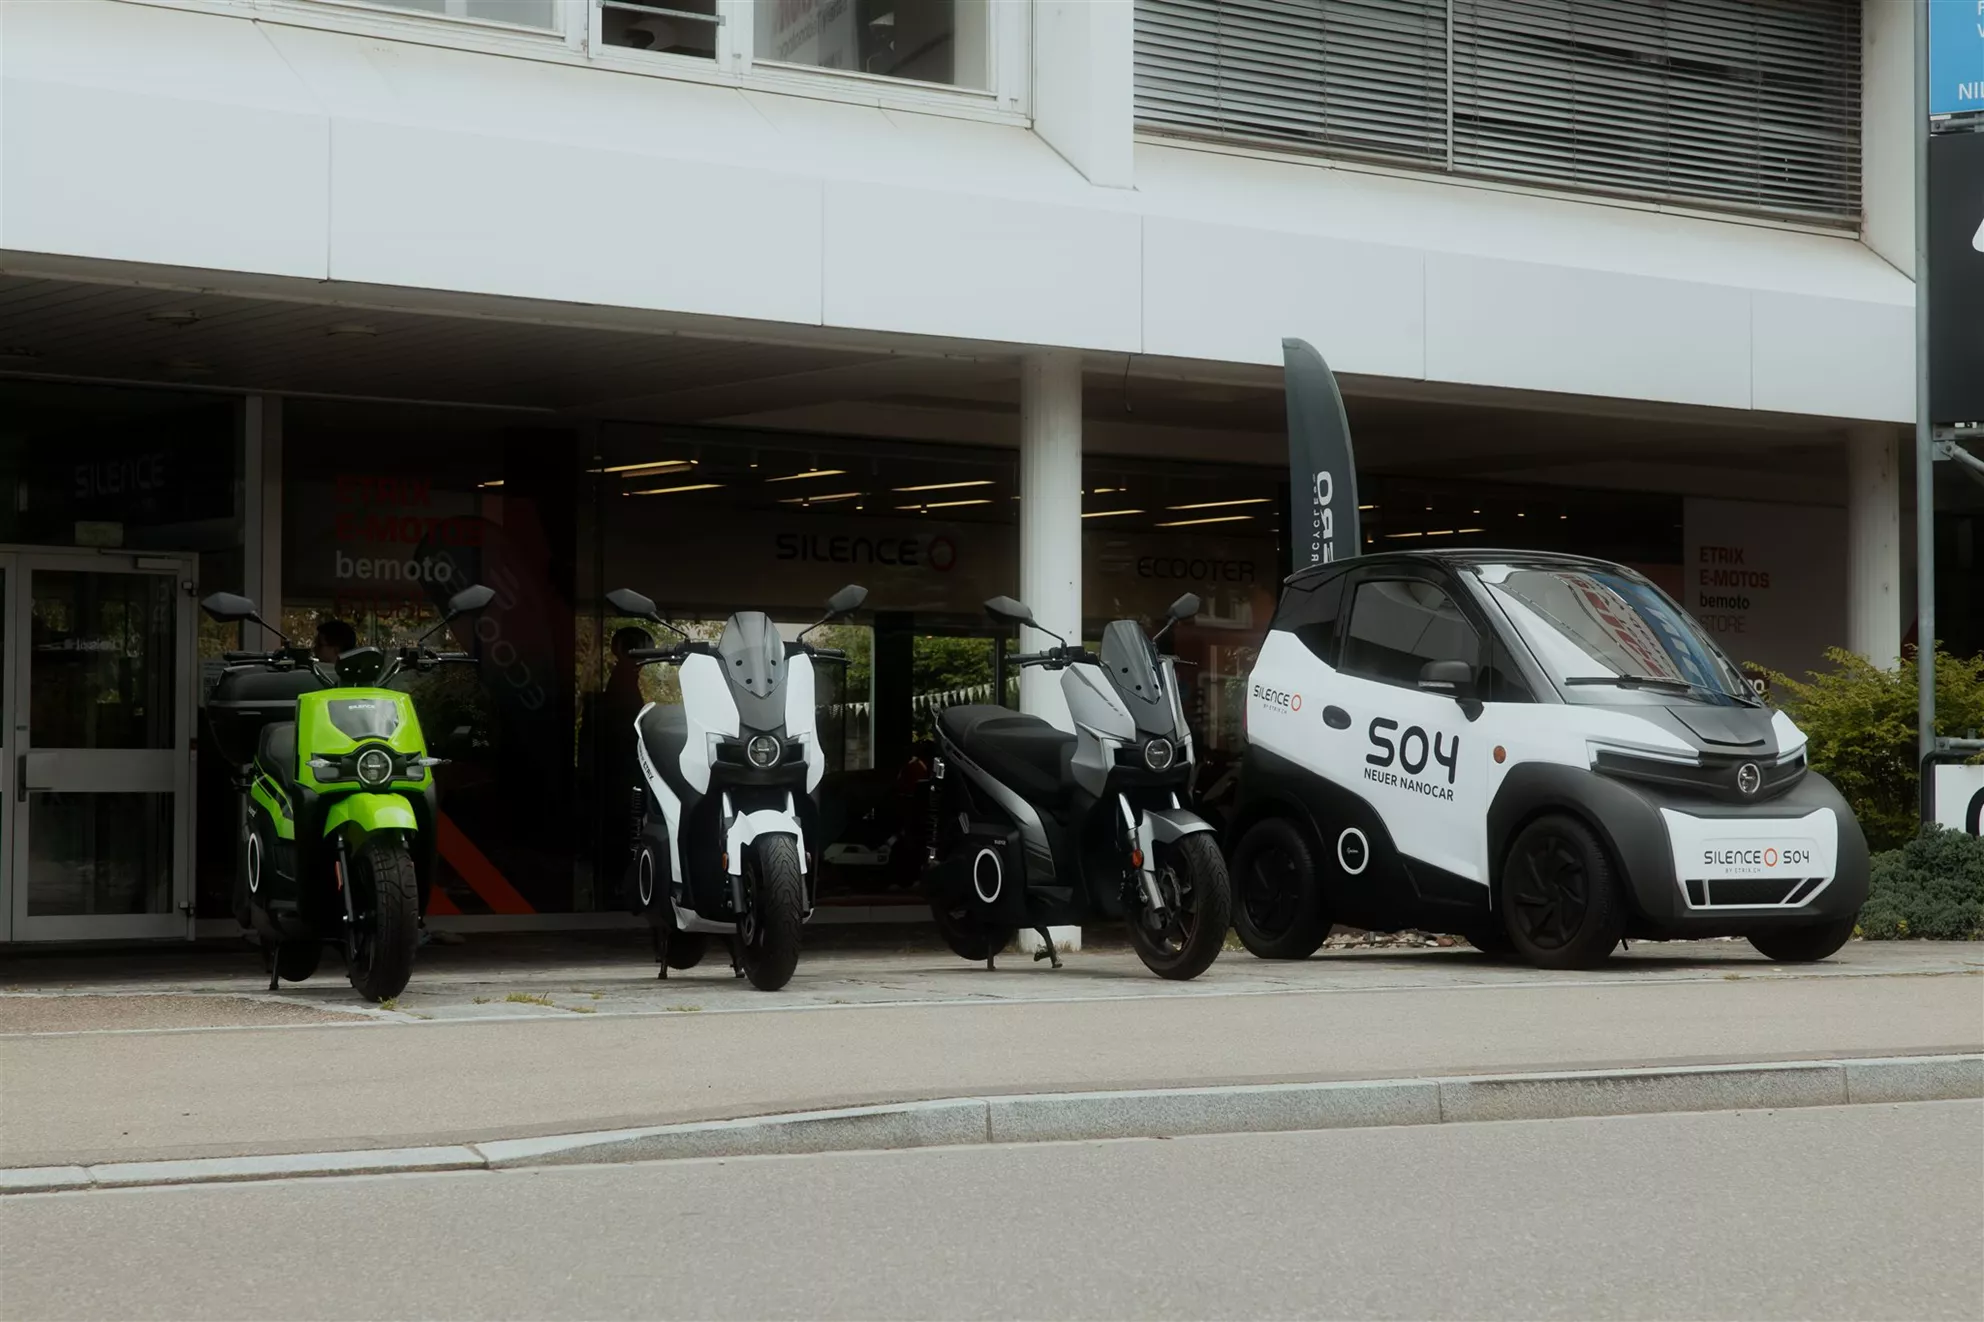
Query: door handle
(1336,718)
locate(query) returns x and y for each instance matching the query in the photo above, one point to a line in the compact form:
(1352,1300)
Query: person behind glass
(614,773)
(335,637)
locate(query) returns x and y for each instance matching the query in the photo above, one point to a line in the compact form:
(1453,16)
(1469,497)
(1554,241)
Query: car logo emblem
(1748,779)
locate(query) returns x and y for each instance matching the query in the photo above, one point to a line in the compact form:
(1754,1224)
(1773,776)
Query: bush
(1861,723)
(1932,888)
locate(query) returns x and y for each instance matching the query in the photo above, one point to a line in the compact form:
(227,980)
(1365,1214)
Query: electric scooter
(337,793)
(1031,827)
(725,803)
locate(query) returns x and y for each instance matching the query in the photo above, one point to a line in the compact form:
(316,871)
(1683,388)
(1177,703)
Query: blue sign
(1956,56)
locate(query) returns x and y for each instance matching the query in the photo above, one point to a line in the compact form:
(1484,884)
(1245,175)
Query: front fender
(1169,824)
(369,813)
(746,827)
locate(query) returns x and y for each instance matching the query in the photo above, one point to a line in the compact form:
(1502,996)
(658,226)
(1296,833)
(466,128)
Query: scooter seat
(275,753)
(1024,752)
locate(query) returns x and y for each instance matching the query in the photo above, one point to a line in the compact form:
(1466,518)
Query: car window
(1499,680)
(1398,625)
(1310,611)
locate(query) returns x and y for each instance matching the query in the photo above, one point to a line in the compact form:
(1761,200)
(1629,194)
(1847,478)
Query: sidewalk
(864,1027)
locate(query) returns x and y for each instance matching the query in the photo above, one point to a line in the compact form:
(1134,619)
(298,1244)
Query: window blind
(1752,105)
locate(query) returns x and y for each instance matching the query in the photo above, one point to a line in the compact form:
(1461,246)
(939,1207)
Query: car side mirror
(846,601)
(626,601)
(230,608)
(1453,679)
(1008,611)
(469,600)
(1185,607)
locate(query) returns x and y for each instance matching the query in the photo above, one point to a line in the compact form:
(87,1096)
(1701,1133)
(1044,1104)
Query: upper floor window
(522,13)
(1751,105)
(930,41)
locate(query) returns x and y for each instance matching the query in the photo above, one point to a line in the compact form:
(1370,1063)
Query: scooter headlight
(763,751)
(375,767)
(1159,754)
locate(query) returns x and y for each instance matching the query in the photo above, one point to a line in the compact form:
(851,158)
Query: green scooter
(337,794)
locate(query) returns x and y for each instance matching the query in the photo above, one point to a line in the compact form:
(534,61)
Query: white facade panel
(172,138)
(1843,360)
(1536,327)
(1227,294)
(941,263)
(459,211)
(138,133)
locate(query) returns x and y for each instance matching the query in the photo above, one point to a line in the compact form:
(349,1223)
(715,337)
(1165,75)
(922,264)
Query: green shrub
(1932,888)
(1861,723)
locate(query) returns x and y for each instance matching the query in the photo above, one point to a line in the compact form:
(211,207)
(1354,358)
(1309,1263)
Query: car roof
(1459,557)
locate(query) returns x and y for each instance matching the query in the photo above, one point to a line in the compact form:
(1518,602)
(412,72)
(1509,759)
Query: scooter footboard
(985,873)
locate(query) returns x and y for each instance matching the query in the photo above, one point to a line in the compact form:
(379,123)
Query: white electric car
(1539,752)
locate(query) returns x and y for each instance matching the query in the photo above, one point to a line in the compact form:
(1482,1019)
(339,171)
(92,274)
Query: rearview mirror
(1455,679)
(846,601)
(1008,611)
(469,600)
(230,608)
(629,602)
(1185,607)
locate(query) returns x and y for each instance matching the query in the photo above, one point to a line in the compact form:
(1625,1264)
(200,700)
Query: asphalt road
(1852,1212)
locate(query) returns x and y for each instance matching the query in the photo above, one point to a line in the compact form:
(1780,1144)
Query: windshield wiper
(1659,682)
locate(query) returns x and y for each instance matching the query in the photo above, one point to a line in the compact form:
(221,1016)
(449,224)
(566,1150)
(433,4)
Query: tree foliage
(1860,720)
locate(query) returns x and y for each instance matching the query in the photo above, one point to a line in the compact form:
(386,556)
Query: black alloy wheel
(1278,906)
(1560,898)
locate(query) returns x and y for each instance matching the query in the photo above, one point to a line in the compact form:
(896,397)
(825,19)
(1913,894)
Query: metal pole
(1925,459)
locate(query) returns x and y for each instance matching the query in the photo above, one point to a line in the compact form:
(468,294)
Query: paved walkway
(127,1061)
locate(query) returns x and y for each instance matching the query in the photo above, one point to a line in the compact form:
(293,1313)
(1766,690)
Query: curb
(1143,1113)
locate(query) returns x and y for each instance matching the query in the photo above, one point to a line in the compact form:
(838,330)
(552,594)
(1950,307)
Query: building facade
(733,301)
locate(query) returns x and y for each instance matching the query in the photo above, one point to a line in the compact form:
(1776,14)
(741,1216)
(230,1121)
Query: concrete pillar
(1050,537)
(1050,519)
(1873,544)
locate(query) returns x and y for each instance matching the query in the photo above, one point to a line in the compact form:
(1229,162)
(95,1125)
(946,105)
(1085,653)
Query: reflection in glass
(683,32)
(99,854)
(101,672)
(522,13)
(929,41)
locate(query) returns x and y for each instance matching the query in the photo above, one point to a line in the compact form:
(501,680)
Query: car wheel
(1277,897)
(1560,895)
(1803,945)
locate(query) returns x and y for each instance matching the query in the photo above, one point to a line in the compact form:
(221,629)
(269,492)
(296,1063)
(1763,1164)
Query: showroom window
(1750,105)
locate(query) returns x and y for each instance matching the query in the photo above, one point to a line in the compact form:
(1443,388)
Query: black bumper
(1628,816)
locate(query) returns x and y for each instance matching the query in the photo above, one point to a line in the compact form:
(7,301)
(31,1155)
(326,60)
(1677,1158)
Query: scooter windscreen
(753,657)
(1134,671)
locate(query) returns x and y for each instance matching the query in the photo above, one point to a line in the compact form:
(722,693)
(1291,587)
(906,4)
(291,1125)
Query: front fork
(341,862)
(1143,855)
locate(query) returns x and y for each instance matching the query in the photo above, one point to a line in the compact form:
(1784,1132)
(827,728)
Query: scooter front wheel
(768,937)
(385,887)
(1192,878)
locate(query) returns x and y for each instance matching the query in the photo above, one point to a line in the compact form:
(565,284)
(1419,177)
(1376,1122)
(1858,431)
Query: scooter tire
(969,939)
(1275,862)
(778,902)
(383,872)
(1201,872)
(686,949)
(297,960)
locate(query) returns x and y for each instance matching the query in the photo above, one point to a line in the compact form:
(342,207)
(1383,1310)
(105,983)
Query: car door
(1418,758)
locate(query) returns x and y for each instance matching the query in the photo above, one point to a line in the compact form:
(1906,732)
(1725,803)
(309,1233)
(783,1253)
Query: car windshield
(1601,633)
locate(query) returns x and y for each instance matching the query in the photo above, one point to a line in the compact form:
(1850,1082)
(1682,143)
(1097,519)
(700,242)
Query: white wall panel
(1534,327)
(454,210)
(1227,294)
(938,263)
(1844,360)
(140,135)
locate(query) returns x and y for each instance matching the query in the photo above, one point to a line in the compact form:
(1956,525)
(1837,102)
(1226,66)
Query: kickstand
(661,954)
(1046,950)
(736,964)
(269,958)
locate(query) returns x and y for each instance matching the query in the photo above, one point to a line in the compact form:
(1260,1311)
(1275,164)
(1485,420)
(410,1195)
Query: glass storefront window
(929,41)
(664,27)
(541,14)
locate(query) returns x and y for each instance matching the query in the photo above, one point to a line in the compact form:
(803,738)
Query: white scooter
(725,804)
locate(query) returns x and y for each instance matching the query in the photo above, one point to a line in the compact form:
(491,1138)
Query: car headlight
(1159,753)
(375,767)
(763,751)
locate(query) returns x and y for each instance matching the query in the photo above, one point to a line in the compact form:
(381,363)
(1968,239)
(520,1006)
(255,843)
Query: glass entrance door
(98,710)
